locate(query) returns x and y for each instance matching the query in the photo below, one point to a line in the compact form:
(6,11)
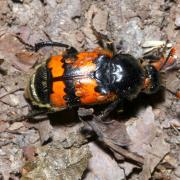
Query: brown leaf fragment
(29,153)
(15,126)
(124,152)
(142,131)
(3,126)
(157,151)
(102,166)
(27,58)
(44,128)
(100,129)
(116,131)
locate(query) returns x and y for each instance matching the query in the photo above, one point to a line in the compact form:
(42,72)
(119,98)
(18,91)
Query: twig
(127,154)
(116,148)
(11,92)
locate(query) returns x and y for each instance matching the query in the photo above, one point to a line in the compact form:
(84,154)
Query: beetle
(94,77)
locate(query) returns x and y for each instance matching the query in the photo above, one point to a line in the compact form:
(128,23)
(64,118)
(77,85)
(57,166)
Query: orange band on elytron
(85,89)
(57,97)
(56,66)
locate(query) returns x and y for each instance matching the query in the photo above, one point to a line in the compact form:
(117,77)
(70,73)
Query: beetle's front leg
(159,53)
(154,50)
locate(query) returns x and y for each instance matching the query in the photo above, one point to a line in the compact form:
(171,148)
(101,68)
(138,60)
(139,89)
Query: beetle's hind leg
(103,40)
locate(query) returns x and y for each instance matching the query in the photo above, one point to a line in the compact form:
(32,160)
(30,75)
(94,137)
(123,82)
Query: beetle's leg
(103,115)
(165,61)
(108,110)
(27,45)
(159,55)
(103,39)
(37,115)
(154,50)
(153,56)
(82,112)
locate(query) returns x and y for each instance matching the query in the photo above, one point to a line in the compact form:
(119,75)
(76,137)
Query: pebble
(177,21)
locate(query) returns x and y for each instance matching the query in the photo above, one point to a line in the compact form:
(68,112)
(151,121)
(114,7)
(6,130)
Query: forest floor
(54,148)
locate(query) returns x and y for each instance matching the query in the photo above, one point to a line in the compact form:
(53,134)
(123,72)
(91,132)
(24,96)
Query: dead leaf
(3,126)
(142,131)
(157,151)
(44,127)
(54,161)
(15,126)
(102,166)
(29,153)
(27,58)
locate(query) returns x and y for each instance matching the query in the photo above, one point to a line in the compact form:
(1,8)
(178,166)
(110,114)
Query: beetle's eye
(154,80)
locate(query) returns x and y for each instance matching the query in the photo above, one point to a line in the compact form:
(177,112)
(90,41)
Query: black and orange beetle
(95,77)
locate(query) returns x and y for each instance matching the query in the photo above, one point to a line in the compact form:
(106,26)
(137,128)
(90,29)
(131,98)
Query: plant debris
(139,143)
(58,160)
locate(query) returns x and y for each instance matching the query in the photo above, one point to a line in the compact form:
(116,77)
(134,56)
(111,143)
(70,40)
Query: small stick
(11,92)
(127,154)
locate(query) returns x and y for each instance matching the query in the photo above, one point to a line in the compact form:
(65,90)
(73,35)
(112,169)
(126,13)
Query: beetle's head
(152,81)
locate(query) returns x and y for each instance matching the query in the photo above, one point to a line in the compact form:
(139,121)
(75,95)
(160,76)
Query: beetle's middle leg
(103,40)
(111,107)
(103,115)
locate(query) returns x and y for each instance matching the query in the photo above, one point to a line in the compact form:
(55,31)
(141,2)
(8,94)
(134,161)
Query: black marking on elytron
(70,98)
(42,85)
(68,78)
(65,77)
(50,79)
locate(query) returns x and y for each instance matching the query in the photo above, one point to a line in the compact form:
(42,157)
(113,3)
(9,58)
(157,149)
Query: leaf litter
(149,138)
